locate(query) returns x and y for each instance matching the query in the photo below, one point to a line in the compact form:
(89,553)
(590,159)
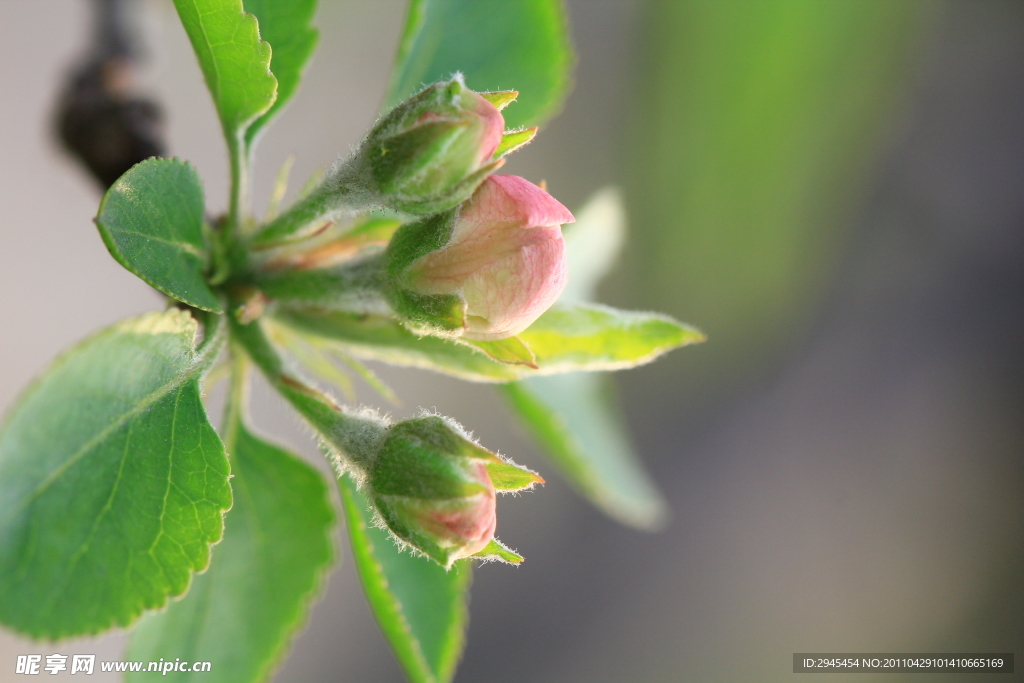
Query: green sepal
(513,140)
(508,476)
(151,220)
(398,159)
(500,98)
(498,551)
(511,351)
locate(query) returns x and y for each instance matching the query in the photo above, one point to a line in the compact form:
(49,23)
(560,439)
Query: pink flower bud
(505,258)
(433,489)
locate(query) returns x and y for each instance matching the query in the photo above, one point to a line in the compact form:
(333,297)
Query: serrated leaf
(573,419)
(113,483)
(151,220)
(507,476)
(496,550)
(572,337)
(524,45)
(234,61)
(420,607)
(241,614)
(288,26)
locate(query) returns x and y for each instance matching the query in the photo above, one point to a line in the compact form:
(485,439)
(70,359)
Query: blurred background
(832,191)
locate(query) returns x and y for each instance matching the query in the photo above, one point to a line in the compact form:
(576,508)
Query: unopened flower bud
(431,151)
(484,272)
(433,488)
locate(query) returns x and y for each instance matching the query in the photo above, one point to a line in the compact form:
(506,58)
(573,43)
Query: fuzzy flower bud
(431,151)
(486,272)
(432,488)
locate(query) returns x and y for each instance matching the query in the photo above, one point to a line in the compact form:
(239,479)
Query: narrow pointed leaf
(420,607)
(233,59)
(242,613)
(384,339)
(496,550)
(510,142)
(573,419)
(596,337)
(507,476)
(113,483)
(511,351)
(151,220)
(524,44)
(288,26)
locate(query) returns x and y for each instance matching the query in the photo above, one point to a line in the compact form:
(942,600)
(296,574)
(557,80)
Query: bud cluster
(459,252)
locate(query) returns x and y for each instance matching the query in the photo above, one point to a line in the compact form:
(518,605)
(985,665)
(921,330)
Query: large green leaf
(514,45)
(151,220)
(241,613)
(574,418)
(570,337)
(566,338)
(287,26)
(421,608)
(234,61)
(113,484)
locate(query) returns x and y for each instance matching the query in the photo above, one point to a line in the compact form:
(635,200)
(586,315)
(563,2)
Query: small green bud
(435,488)
(431,152)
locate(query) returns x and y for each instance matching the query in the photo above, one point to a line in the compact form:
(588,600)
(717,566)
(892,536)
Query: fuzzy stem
(354,438)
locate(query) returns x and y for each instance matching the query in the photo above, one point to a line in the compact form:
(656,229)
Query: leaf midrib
(140,407)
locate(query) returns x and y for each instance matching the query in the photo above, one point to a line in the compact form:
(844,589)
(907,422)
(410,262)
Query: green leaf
(421,608)
(496,550)
(596,337)
(241,614)
(566,338)
(521,44)
(113,484)
(574,420)
(151,220)
(234,61)
(288,26)
(384,339)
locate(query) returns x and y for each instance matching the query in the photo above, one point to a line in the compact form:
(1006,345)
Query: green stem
(354,438)
(238,203)
(343,188)
(358,286)
(238,398)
